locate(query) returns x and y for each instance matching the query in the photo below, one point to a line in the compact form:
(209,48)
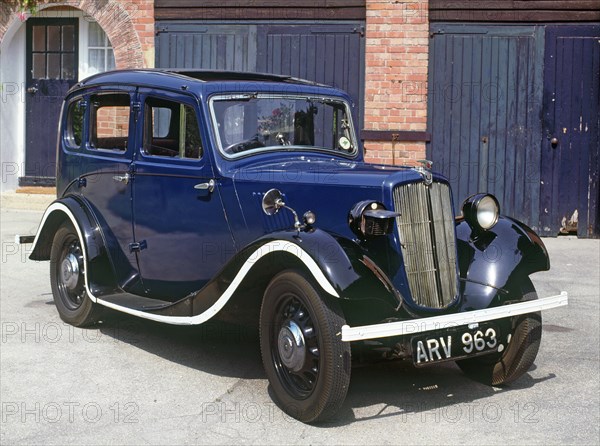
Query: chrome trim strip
(267,248)
(414,326)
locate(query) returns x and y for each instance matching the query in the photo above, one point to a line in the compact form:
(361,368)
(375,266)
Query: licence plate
(456,343)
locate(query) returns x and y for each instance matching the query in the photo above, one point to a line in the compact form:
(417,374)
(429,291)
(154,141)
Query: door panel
(52,69)
(104,163)
(214,47)
(485,89)
(331,54)
(571,143)
(182,230)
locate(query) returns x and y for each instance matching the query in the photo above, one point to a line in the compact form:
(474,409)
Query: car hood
(319,170)
(329,187)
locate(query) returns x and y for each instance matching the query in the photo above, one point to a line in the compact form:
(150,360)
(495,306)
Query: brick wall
(129,25)
(396,77)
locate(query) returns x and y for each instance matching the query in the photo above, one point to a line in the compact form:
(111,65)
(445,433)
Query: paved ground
(135,382)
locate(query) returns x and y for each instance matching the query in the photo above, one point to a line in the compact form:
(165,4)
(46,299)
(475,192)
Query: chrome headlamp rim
(481,211)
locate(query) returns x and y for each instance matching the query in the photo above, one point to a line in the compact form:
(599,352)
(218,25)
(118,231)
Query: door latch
(122,178)
(138,246)
(210,186)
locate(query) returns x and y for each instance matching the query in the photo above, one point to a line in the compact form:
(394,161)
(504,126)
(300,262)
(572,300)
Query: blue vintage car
(181,194)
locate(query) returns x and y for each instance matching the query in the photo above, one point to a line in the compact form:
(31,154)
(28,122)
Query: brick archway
(128,25)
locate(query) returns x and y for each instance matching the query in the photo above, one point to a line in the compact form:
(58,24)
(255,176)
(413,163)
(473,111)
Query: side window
(109,121)
(171,129)
(74,130)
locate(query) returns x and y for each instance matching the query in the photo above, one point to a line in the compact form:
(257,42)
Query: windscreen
(248,124)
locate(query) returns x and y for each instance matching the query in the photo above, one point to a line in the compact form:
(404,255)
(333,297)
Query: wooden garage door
(485,99)
(330,53)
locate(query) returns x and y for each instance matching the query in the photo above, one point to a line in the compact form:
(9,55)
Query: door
(181,233)
(52,69)
(207,47)
(485,90)
(331,54)
(571,142)
(104,162)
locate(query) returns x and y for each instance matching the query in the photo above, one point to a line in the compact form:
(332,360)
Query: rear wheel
(67,278)
(518,357)
(306,362)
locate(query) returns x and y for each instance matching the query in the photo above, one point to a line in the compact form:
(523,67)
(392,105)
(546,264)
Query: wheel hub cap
(70,271)
(292,349)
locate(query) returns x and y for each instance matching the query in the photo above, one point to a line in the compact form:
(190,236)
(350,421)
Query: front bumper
(413,326)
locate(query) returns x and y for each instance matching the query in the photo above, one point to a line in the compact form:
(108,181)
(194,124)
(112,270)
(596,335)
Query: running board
(135,302)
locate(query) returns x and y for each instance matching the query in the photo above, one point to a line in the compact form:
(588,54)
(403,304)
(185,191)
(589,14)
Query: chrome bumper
(413,326)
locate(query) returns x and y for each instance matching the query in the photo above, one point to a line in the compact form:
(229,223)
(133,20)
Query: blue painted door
(485,90)
(331,54)
(97,147)
(182,235)
(52,69)
(206,46)
(571,139)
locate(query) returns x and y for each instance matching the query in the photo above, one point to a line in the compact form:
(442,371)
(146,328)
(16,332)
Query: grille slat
(426,229)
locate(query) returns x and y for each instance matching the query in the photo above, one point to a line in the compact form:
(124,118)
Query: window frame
(291,148)
(90,122)
(105,48)
(180,100)
(67,134)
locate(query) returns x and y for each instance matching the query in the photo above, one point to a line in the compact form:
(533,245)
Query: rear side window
(171,130)
(74,130)
(109,121)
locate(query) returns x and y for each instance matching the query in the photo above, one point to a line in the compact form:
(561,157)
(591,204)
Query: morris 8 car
(183,194)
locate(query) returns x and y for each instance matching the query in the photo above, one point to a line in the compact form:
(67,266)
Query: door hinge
(138,246)
(360,30)
(137,107)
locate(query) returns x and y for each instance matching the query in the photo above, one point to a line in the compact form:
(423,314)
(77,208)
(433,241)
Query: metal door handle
(122,178)
(554,141)
(32,90)
(210,186)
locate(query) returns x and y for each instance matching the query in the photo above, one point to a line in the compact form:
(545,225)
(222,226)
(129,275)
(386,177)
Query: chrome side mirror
(272,201)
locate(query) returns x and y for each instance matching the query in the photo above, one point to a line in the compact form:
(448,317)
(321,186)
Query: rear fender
(59,212)
(99,270)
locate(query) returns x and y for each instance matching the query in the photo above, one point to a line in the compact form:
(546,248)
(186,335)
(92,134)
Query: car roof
(173,78)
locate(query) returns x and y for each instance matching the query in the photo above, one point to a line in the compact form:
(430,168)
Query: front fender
(342,264)
(493,263)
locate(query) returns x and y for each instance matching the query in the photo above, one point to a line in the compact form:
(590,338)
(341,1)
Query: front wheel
(306,362)
(518,357)
(67,278)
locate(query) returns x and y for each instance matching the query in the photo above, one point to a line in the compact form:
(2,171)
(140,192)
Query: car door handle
(210,186)
(122,178)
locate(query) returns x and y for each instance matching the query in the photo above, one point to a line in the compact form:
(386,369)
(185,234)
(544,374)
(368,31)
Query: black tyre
(306,362)
(518,357)
(67,269)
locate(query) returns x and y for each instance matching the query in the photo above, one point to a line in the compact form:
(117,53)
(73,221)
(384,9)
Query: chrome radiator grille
(426,228)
